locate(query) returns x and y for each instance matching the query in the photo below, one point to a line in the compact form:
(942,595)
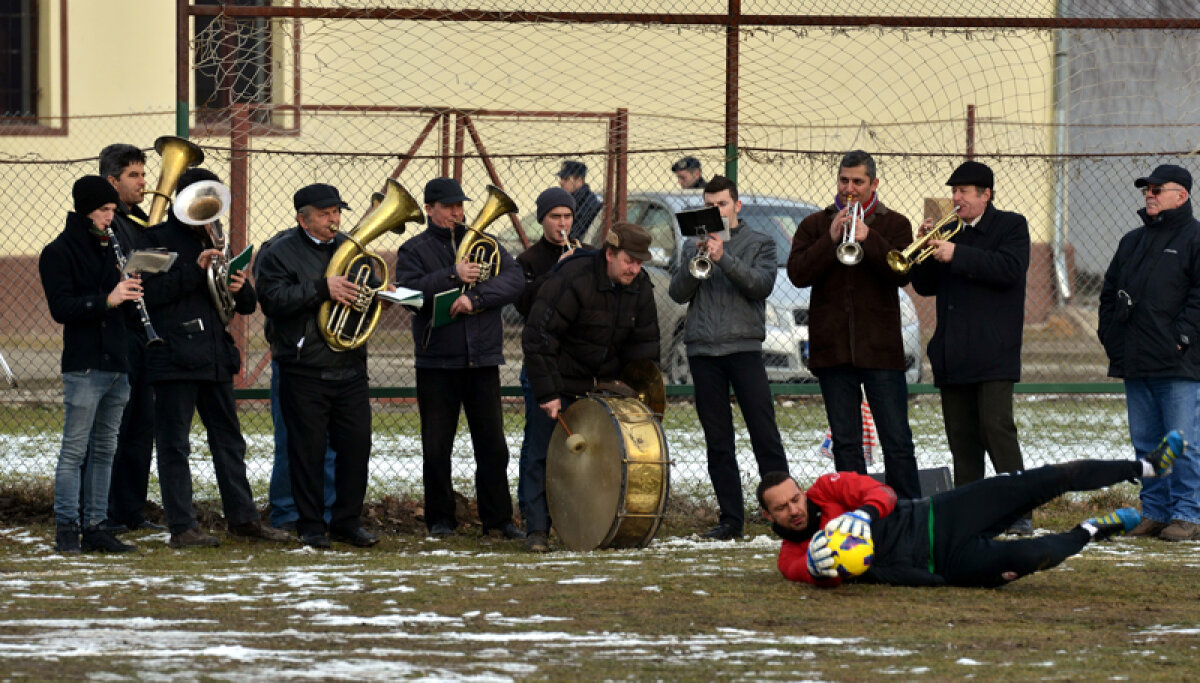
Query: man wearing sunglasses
(1149,323)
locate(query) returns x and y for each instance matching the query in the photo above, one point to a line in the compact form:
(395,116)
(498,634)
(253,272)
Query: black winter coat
(1158,266)
(980,301)
(537,261)
(77,275)
(196,345)
(426,262)
(291,288)
(584,329)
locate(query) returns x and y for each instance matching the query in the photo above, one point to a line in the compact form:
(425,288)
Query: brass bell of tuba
(919,250)
(177,155)
(348,326)
(200,204)
(477,247)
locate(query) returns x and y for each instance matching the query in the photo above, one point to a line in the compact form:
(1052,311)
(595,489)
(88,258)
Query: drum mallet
(575,442)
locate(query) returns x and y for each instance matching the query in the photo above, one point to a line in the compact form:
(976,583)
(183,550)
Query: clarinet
(152,337)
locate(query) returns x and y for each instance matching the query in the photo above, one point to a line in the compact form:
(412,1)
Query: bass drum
(607,485)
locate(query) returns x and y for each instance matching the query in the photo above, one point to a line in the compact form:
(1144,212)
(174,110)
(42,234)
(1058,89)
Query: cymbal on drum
(644,377)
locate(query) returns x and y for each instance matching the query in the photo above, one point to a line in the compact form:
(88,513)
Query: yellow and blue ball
(852,555)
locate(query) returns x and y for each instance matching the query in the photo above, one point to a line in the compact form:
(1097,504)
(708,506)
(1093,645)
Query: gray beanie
(552,198)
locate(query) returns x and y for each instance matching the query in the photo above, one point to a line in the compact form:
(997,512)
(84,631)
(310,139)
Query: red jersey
(834,494)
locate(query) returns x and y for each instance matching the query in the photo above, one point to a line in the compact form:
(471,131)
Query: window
(232,58)
(19,60)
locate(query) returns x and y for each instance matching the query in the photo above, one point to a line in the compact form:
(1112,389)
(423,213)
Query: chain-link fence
(1067,105)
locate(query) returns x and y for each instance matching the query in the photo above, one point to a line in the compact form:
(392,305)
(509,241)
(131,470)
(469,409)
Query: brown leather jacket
(854,312)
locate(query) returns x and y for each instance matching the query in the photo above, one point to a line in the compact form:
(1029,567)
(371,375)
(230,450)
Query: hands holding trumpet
(842,221)
(941,251)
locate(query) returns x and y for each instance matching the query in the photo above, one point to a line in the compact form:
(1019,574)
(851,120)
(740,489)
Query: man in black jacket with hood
(1149,325)
(192,371)
(323,393)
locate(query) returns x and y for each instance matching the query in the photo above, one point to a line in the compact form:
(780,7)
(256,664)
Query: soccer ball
(851,555)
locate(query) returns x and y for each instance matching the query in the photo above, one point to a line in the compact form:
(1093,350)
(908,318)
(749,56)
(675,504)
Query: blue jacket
(426,262)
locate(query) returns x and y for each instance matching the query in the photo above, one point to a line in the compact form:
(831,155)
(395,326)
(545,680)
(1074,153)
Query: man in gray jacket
(726,324)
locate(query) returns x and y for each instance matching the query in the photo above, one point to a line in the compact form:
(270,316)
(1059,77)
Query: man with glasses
(979,281)
(1149,321)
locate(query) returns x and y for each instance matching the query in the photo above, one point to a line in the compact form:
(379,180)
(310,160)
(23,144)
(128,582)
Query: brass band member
(458,363)
(591,317)
(86,294)
(854,321)
(192,372)
(124,166)
(323,393)
(975,352)
(556,213)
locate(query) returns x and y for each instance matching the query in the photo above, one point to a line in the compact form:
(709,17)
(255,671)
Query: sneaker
(536,542)
(1115,523)
(1021,527)
(1162,458)
(509,531)
(193,538)
(1147,527)
(97,539)
(723,532)
(66,539)
(256,530)
(1179,530)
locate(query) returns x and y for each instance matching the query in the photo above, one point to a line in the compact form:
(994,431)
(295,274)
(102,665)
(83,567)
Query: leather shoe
(193,538)
(509,530)
(316,540)
(147,525)
(441,529)
(723,532)
(112,527)
(257,530)
(359,537)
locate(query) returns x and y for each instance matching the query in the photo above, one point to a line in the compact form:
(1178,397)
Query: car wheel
(678,371)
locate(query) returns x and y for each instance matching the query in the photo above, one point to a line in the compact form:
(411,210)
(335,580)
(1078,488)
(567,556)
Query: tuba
(477,247)
(199,204)
(919,250)
(177,154)
(348,326)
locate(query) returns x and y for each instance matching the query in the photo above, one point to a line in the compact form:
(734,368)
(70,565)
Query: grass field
(470,609)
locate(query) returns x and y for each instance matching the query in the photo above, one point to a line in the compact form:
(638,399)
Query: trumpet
(199,204)
(919,250)
(849,251)
(700,267)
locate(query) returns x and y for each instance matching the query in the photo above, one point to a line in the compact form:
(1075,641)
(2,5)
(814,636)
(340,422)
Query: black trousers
(175,402)
(441,394)
(967,519)
(979,419)
(745,373)
(321,413)
(135,444)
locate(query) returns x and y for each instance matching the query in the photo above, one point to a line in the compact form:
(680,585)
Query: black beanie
(552,198)
(92,192)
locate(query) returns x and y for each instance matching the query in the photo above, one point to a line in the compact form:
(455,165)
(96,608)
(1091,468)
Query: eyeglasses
(1159,190)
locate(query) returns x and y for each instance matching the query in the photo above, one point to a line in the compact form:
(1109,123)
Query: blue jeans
(887,394)
(283,505)
(1156,406)
(93,402)
(531,484)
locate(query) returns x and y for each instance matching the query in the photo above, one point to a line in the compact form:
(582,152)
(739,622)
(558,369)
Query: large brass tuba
(918,251)
(200,204)
(348,326)
(477,247)
(177,155)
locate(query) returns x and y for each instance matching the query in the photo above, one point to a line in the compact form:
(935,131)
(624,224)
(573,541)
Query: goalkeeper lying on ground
(950,538)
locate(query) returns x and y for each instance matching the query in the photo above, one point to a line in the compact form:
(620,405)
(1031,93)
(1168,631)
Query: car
(785,346)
